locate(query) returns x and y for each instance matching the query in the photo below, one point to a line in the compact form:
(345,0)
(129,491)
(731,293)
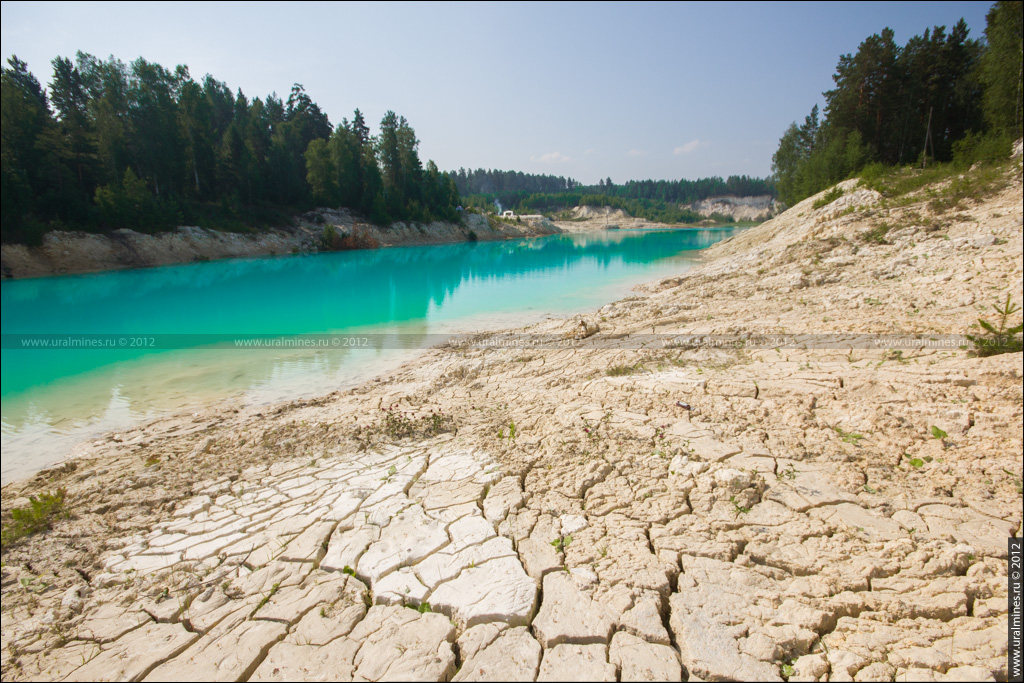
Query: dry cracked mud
(577,513)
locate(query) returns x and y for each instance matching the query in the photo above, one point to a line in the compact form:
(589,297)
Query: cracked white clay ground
(802,519)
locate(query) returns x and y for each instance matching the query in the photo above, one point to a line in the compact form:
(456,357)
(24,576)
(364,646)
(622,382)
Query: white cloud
(551,158)
(690,146)
(636,152)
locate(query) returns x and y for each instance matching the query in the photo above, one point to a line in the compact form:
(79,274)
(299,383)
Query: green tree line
(656,200)
(941,95)
(110,145)
(685,191)
(493,181)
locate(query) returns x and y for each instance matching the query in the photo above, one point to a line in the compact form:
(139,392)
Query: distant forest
(941,97)
(658,200)
(109,145)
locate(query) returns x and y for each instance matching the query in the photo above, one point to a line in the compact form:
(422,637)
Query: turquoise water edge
(53,398)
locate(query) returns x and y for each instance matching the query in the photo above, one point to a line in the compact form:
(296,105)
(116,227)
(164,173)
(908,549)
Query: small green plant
(348,570)
(938,433)
(877,234)
(827,198)
(1018,484)
(38,516)
(152,460)
(788,473)
(560,544)
(438,423)
(896,355)
(424,608)
(592,431)
(659,443)
(848,437)
(34,585)
(622,370)
(999,340)
(916,463)
(267,597)
(787,671)
(397,424)
(740,509)
(510,434)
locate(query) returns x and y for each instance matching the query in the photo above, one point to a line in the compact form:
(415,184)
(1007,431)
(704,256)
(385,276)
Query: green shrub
(38,516)
(622,370)
(975,147)
(397,424)
(28,231)
(328,238)
(829,197)
(871,173)
(130,204)
(877,234)
(1002,339)
(895,181)
(992,153)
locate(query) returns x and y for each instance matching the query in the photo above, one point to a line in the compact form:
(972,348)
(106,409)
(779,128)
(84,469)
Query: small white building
(508,214)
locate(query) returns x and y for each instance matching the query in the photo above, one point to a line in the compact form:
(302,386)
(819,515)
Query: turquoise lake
(53,398)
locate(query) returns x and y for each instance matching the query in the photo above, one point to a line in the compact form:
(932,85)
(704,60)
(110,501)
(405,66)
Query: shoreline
(243,379)
(69,253)
(641,502)
(75,253)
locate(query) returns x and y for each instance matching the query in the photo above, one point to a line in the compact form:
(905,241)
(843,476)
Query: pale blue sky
(659,90)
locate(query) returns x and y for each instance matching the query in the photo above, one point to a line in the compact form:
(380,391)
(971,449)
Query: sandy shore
(596,510)
(591,218)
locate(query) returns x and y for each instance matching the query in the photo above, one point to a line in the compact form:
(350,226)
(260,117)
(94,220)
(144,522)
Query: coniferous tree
(892,105)
(134,146)
(67,91)
(1002,68)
